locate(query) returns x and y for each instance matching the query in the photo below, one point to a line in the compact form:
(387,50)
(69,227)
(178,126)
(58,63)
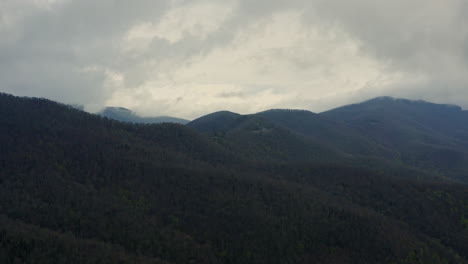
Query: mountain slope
(215,123)
(260,139)
(425,135)
(336,134)
(78,188)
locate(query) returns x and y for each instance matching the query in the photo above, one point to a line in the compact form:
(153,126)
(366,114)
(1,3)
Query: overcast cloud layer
(189,58)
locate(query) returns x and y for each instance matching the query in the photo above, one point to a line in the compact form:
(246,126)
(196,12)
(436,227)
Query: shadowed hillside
(424,134)
(79,188)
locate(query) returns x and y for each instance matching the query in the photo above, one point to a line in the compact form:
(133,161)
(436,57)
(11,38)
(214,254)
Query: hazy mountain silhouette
(127,115)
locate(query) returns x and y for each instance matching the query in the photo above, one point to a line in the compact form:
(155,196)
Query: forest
(384,181)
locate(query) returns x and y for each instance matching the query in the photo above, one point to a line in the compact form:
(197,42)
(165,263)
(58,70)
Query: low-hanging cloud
(188,58)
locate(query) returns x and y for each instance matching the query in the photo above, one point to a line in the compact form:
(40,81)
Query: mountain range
(417,134)
(382,181)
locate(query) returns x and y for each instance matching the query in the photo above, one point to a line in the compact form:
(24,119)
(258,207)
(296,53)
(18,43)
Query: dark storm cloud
(53,48)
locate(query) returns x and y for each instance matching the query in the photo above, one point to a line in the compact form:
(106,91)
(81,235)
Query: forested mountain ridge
(260,139)
(79,188)
(417,134)
(425,135)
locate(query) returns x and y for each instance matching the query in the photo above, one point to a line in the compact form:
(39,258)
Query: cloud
(189,58)
(196,20)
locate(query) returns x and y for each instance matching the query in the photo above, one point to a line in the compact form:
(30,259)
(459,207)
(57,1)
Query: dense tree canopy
(266,188)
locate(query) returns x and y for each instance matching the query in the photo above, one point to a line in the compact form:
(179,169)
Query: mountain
(215,123)
(126,115)
(446,120)
(426,135)
(259,139)
(378,132)
(334,133)
(80,188)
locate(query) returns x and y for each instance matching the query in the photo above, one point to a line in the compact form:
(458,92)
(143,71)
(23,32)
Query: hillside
(425,135)
(334,133)
(258,139)
(79,188)
(384,130)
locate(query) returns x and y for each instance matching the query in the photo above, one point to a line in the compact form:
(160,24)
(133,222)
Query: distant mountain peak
(224,112)
(279,110)
(384,98)
(126,115)
(390,99)
(118,108)
(214,122)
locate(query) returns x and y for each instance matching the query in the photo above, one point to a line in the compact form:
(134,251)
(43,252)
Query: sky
(189,58)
